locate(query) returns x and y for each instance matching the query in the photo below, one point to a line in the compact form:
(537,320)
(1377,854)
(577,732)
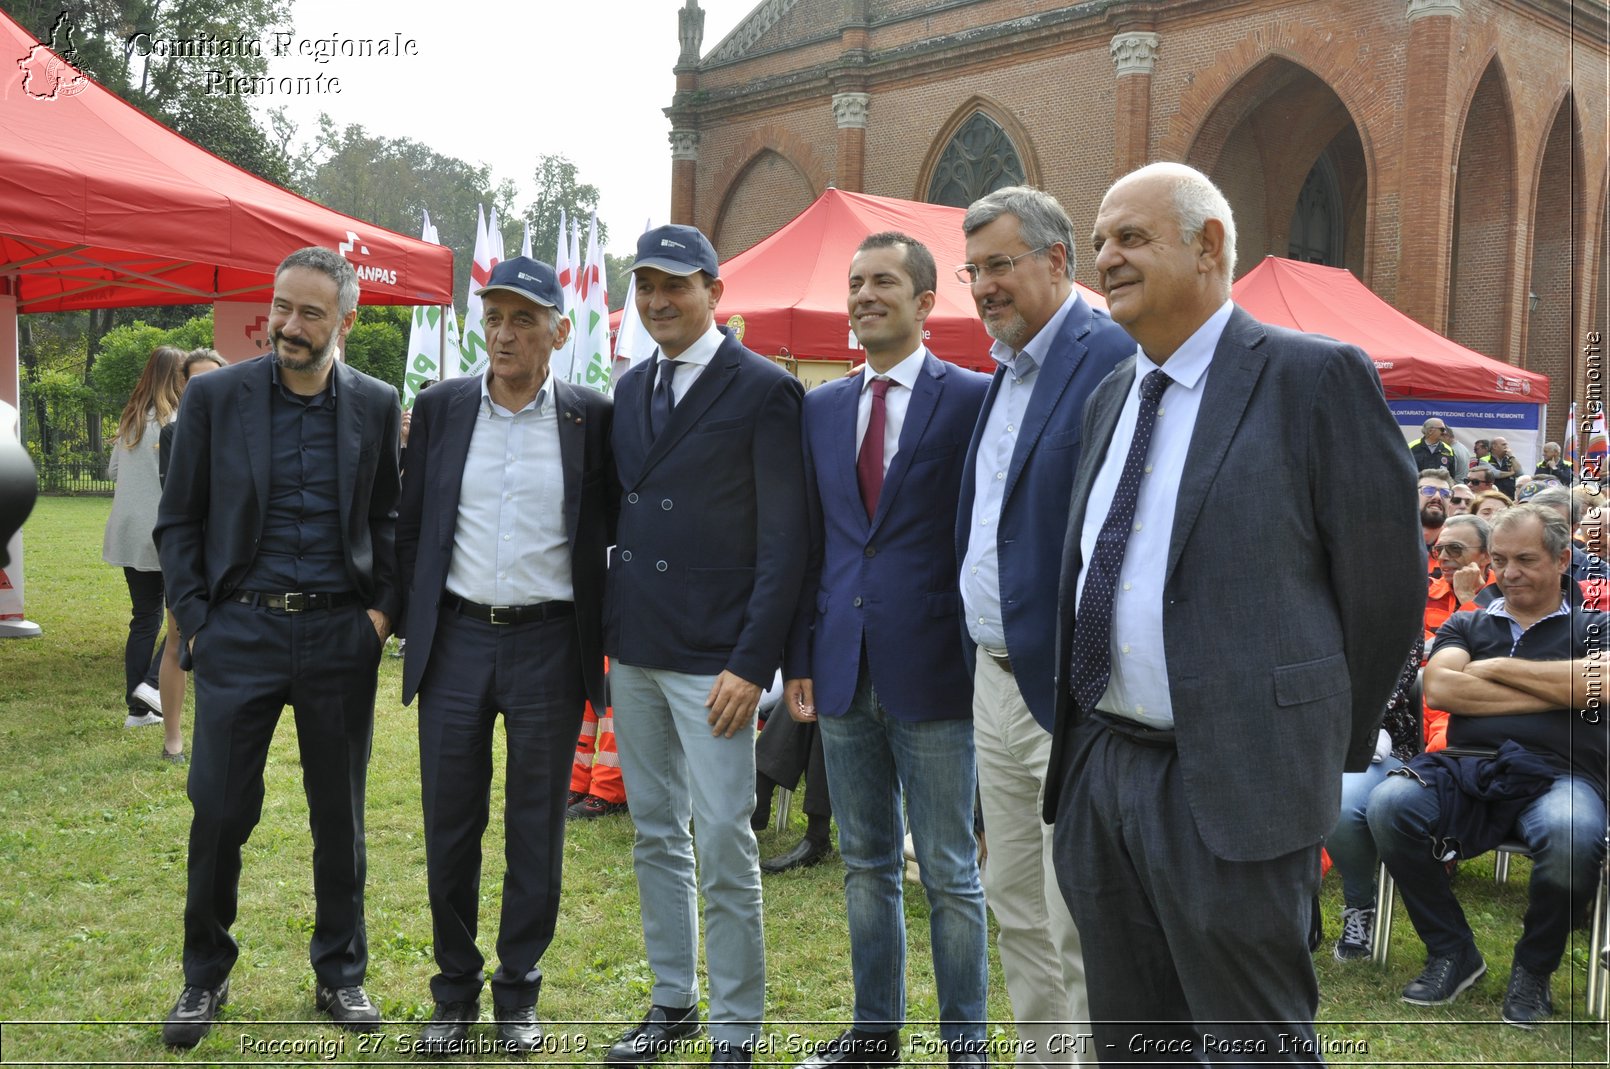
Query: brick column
(849,113)
(1133,53)
(684,168)
(1427,162)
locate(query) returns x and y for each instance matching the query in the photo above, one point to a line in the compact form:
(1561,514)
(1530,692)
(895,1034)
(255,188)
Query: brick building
(1451,153)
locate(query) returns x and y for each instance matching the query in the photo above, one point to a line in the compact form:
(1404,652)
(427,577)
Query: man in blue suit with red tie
(875,652)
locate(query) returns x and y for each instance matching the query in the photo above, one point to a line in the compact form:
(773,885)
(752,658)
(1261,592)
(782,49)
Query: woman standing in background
(171,676)
(128,543)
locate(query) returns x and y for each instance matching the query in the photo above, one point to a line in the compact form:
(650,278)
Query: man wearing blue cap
(506,516)
(707,570)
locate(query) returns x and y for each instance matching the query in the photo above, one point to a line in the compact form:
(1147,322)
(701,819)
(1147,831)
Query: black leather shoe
(448,1029)
(968,1054)
(806,852)
(855,1048)
(1445,979)
(518,1030)
(663,1026)
(192,1016)
(729,1054)
(348,1007)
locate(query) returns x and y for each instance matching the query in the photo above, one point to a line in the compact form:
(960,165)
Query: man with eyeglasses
(1435,488)
(1460,500)
(1461,576)
(1051,349)
(1479,478)
(1433,449)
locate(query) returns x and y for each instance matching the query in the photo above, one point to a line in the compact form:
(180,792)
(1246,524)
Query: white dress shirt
(981,565)
(510,545)
(902,380)
(1138,689)
(694,359)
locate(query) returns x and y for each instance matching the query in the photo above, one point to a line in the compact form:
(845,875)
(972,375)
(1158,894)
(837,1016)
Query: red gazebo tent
(1413,361)
(101,206)
(789,291)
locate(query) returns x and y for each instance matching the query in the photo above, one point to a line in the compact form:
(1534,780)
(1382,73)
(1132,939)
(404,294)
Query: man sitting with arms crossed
(1516,677)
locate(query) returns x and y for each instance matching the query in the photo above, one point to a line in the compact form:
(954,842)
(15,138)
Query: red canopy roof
(1412,360)
(790,289)
(101,206)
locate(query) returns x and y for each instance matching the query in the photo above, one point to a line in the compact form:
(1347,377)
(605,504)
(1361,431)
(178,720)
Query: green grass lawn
(92,858)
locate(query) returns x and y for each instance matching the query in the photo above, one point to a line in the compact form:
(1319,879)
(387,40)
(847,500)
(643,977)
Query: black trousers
(145,620)
(531,673)
(1190,959)
(249,664)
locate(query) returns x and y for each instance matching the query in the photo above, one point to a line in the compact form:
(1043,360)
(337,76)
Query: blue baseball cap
(531,279)
(676,250)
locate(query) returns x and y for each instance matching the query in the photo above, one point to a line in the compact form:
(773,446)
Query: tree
(377,344)
(557,189)
(128,46)
(619,276)
(389,181)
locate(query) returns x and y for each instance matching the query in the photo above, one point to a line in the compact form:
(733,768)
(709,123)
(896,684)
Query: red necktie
(869,465)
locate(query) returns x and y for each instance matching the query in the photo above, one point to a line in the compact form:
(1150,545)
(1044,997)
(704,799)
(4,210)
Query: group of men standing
(894,540)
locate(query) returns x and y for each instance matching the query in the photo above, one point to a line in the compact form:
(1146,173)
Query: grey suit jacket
(1292,596)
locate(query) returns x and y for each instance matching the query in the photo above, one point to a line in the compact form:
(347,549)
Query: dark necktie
(663,400)
(1092,629)
(869,465)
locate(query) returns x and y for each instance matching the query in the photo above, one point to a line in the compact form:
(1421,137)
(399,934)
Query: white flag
(525,240)
(425,338)
(564,269)
(632,341)
(472,345)
(592,364)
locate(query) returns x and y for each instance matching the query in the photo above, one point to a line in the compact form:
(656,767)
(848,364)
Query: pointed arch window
(979,159)
(1316,222)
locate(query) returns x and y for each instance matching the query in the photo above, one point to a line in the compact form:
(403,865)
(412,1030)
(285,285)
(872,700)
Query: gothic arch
(1559,246)
(1482,264)
(767,148)
(1015,131)
(1331,58)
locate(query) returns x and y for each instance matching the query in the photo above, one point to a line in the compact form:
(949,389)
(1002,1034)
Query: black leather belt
(294,602)
(503,615)
(1140,734)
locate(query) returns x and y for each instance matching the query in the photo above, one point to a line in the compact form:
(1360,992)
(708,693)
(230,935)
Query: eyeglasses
(1452,549)
(995,266)
(1434,491)
(1464,499)
(1477,482)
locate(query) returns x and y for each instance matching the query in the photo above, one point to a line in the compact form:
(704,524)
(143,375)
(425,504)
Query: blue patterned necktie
(662,400)
(1092,628)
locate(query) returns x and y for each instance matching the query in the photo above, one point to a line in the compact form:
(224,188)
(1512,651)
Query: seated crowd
(1509,741)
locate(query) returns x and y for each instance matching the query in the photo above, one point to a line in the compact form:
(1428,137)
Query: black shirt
(301,549)
(1572,740)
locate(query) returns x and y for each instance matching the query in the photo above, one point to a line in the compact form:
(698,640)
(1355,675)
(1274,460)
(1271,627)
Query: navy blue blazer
(216,493)
(438,444)
(712,540)
(889,582)
(1034,511)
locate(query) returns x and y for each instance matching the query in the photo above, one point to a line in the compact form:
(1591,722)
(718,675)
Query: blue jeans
(1351,848)
(1564,828)
(871,758)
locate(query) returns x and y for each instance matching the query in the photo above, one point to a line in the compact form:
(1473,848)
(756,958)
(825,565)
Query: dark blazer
(712,540)
(889,582)
(216,493)
(1292,597)
(438,444)
(1034,510)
